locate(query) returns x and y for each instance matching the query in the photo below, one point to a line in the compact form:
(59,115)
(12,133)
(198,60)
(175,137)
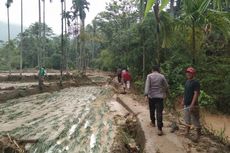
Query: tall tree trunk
(143,64)
(156,12)
(82,46)
(65,42)
(77,46)
(9,43)
(21,37)
(39,33)
(142,8)
(62,43)
(94,35)
(40,81)
(44,33)
(193,43)
(177,8)
(172,7)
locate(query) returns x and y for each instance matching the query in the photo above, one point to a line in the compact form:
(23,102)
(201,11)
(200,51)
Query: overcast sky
(53,11)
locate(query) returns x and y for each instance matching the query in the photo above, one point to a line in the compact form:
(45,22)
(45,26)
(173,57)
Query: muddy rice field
(71,120)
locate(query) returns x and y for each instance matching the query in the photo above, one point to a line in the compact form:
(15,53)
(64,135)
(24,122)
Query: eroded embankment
(11,90)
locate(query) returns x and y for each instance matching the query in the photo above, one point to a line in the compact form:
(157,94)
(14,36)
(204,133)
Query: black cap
(156,68)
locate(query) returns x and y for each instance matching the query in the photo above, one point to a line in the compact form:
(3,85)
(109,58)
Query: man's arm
(196,94)
(194,98)
(147,84)
(166,86)
(182,102)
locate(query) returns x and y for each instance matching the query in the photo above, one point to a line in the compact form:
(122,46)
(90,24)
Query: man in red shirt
(126,78)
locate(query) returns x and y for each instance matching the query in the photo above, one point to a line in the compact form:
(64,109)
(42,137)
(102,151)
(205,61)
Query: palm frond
(166,28)
(204,6)
(163,4)
(149,6)
(220,21)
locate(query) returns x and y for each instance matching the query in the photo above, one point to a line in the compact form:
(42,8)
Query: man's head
(190,73)
(156,68)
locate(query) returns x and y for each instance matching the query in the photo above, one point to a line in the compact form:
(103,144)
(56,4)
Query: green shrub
(206,100)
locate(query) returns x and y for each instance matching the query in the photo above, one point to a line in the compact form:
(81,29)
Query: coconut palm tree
(39,33)
(195,15)
(44,30)
(62,40)
(65,14)
(79,7)
(8,3)
(21,37)
(157,7)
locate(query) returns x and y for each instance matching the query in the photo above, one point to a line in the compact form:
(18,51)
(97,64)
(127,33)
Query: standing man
(156,88)
(41,77)
(126,77)
(190,103)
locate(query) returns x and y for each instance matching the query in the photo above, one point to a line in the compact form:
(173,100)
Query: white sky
(53,11)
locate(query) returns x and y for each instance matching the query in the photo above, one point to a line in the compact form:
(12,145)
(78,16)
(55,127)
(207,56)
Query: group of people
(157,89)
(124,78)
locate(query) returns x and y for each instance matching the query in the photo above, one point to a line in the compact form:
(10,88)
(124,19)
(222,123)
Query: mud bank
(34,77)
(132,130)
(69,81)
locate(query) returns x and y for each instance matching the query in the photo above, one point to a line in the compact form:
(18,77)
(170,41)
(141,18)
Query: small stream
(71,120)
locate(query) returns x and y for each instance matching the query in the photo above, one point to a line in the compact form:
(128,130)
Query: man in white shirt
(156,88)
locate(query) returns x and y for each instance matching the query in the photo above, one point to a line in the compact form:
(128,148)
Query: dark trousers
(119,77)
(156,104)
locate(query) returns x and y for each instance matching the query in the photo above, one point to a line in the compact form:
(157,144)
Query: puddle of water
(63,121)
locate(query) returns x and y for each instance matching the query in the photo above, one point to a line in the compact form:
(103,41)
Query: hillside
(14,30)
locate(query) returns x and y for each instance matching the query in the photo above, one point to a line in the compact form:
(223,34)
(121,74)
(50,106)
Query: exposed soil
(11,90)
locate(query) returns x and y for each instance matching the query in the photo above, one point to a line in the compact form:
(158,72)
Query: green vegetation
(128,34)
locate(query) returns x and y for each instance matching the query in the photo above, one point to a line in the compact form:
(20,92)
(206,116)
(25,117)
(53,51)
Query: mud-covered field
(71,120)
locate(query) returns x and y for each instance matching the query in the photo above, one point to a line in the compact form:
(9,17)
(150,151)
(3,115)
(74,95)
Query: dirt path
(169,142)
(154,144)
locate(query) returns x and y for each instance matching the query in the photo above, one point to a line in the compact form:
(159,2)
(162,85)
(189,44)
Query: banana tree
(157,6)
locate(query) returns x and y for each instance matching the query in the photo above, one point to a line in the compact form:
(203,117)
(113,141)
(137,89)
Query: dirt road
(169,142)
